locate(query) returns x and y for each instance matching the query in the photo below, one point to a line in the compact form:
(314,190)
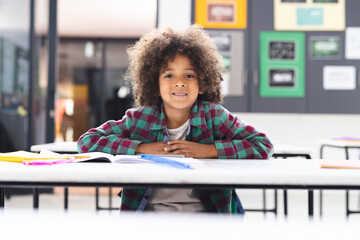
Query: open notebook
(46,157)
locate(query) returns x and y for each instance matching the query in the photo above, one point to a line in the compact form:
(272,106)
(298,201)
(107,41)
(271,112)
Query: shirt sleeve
(240,140)
(111,137)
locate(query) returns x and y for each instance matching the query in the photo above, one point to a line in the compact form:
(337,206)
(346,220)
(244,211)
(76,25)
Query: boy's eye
(189,76)
(168,76)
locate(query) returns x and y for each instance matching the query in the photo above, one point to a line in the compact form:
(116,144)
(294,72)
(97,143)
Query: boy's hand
(152,148)
(191,149)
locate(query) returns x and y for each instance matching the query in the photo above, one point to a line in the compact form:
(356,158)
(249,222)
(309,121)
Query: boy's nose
(180,83)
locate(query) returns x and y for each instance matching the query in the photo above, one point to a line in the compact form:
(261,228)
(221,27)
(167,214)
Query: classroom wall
(307,130)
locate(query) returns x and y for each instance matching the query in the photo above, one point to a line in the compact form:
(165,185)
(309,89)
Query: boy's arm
(111,137)
(240,140)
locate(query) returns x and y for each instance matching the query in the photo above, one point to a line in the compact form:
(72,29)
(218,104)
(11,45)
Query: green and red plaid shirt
(210,123)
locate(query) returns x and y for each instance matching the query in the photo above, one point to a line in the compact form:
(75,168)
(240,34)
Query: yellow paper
(342,164)
(20,156)
(286,16)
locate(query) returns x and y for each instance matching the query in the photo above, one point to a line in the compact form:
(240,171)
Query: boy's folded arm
(244,149)
(108,138)
(242,141)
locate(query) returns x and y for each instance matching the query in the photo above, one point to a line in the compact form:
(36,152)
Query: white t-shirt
(174,199)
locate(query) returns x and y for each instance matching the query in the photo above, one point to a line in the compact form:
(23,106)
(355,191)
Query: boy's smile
(179,85)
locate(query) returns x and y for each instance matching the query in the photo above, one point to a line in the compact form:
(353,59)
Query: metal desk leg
(66,198)
(311,203)
(321,201)
(346,153)
(36,192)
(2,197)
(97,198)
(275,202)
(285,203)
(110,199)
(347,204)
(321,194)
(347,192)
(264,201)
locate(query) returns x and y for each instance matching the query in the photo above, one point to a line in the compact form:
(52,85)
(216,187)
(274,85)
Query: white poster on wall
(174,13)
(225,83)
(339,78)
(352,43)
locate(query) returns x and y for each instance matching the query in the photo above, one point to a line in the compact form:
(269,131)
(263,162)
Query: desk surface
(296,173)
(54,225)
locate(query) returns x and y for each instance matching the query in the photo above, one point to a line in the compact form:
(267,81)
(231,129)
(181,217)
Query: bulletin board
(309,15)
(282,64)
(220,14)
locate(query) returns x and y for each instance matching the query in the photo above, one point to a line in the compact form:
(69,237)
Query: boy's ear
(201,90)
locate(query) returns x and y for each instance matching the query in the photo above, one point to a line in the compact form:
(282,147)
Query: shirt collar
(197,117)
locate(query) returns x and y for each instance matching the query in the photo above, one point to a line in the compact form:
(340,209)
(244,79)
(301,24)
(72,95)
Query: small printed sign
(282,78)
(339,78)
(324,47)
(282,50)
(310,16)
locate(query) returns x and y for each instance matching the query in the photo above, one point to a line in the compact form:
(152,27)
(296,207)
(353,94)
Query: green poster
(324,47)
(282,64)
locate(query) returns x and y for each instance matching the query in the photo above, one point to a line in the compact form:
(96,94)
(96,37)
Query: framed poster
(324,47)
(221,13)
(309,15)
(230,45)
(282,64)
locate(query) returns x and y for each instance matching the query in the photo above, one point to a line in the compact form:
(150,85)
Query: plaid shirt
(210,123)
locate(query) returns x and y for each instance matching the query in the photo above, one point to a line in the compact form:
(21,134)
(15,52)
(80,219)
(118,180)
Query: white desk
(285,151)
(280,151)
(346,145)
(268,174)
(54,225)
(59,147)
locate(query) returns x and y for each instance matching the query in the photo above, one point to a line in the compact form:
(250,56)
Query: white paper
(352,43)
(175,14)
(339,77)
(138,159)
(225,83)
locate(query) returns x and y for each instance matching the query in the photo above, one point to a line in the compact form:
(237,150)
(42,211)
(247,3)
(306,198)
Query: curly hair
(155,49)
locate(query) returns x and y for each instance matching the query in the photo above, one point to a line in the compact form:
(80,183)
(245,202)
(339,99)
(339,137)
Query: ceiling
(105,18)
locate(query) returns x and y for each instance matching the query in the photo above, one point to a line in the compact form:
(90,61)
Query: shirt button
(146,197)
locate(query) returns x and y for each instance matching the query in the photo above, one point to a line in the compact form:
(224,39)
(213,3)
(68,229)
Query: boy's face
(179,85)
